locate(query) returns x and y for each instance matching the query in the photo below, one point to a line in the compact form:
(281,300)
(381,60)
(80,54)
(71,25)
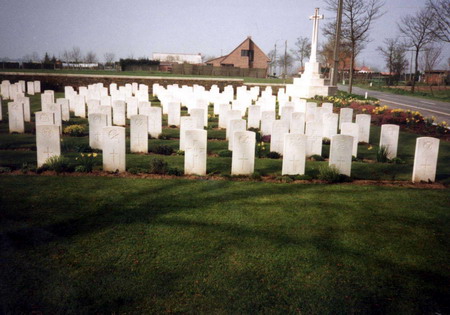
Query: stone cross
(315,34)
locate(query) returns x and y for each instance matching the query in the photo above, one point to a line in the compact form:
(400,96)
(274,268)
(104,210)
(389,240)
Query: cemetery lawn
(104,245)
(148,74)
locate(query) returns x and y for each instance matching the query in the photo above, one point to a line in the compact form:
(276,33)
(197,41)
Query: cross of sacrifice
(315,34)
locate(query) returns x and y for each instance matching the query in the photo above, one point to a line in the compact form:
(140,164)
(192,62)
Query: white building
(178,58)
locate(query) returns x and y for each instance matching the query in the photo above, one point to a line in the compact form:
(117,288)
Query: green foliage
(397,160)
(180,152)
(225,153)
(175,171)
(59,164)
(273,155)
(382,154)
(86,162)
(75,130)
(137,170)
(331,174)
(317,157)
(124,63)
(26,167)
(158,166)
(163,150)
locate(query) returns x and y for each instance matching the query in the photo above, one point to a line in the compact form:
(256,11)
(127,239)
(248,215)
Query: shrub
(180,152)
(317,157)
(158,166)
(27,168)
(256,176)
(86,162)
(163,150)
(382,154)
(330,174)
(397,160)
(59,164)
(225,153)
(273,155)
(175,171)
(74,130)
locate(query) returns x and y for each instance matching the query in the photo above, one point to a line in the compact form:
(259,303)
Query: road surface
(427,107)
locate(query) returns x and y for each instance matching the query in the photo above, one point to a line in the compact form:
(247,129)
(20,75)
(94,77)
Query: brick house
(247,56)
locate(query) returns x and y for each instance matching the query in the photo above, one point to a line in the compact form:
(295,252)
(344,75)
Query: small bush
(317,157)
(330,174)
(273,155)
(256,176)
(225,153)
(74,130)
(175,171)
(158,166)
(59,164)
(382,154)
(397,160)
(4,169)
(163,150)
(86,162)
(180,152)
(27,168)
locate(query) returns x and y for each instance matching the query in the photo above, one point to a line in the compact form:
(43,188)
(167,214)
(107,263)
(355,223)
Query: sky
(138,28)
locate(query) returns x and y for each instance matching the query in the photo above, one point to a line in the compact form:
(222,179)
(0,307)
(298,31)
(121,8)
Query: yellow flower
(82,154)
(370,147)
(89,155)
(95,154)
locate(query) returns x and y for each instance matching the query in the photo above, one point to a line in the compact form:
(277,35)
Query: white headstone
(30,88)
(48,143)
(199,115)
(425,159)
(65,110)
(279,129)
(267,119)
(235,125)
(119,110)
(80,106)
(96,124)
(56,108)
(37,86)
(243,159)
(294,154)
(297,123)
(254,116)
(16,117)
(327,108)
(195,152)
(155,121)
(1,109)
(114,151)
(346,115)
(107,110)
(139,134)
(363,121)
(341,149)
(314,131)
(330,125)
(389,139)
(351,129)
(132,106)
(44,118)
(231,115)
(174,112)
(26,107)
(223,110)
(310,111)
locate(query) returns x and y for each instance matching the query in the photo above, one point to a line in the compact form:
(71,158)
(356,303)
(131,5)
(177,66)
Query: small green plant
(27,168)
(225,153)
(163,150)
(317,157)
(75,130)
(175,171)
(4,169)
(382,154)
(397,160)
(59,164)
(330,174)
(158,166)
(256,176)
(86,162)
(273,155)
(261,149)
(180,152)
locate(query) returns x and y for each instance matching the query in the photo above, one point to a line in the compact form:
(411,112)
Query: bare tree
(91,57)
(326,54)
(66,56)
(33,57)
(394,54)
(302,49)
(75,54)
(441,11)
(273,62)
(285,62)
(431,57)
(418,31)
(357,19)
(109,58)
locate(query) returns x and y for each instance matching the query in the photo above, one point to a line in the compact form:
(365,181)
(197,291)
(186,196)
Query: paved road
(427,107)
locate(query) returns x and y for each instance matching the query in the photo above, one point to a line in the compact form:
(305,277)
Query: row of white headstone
(314,117)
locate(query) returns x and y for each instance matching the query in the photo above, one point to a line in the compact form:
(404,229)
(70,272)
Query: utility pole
(275,61)
(334,70)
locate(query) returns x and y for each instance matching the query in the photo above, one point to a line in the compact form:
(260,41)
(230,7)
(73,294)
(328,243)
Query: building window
(247,53)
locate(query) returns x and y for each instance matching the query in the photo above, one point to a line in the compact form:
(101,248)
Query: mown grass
(430,93)
(148,74)
(117,245)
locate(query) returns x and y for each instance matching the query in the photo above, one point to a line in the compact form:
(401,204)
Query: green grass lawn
(429,93)
(148,74)
(117,245)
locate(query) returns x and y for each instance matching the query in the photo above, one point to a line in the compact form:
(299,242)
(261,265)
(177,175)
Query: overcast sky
(140,27)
